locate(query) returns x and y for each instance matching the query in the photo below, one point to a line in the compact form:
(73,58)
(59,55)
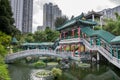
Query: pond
(95,72)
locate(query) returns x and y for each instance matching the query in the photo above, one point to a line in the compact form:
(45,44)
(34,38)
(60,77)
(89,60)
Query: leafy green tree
(6,20)
(60,21)
(4,42)
(29,37)
(46,36)
(113,26)
(5,39)
(40,36)
(52,35)
(97,28)
(2,50)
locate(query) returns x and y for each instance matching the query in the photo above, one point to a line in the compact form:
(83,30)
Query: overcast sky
(70,7)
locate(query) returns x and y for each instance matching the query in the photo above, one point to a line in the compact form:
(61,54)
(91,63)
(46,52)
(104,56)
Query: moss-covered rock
(39,64)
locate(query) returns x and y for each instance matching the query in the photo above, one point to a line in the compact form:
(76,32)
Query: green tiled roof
(104,35)
(67,24)
(91,23)
(79,20)
(14,40)
(87,31)
(100,33)
(116,39)
(43,43)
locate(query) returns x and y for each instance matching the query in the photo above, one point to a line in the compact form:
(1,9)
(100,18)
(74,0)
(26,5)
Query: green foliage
(6,20)
(51,34)
(113,26)
(2,50)
(97,28)
(40,36)
(4,43)
(56,72)
(4,75)
(5,39)
(39,64)
(46,36)
(29,38)
(60,21)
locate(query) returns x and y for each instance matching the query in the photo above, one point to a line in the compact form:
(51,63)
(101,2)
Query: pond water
(95,72)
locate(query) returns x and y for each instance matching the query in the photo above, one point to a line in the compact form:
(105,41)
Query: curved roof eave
(116,39)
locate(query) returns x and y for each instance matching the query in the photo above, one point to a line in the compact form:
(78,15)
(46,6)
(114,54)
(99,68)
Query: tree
(52,35)
(60,21)
(113,26)
(4,42)
(28,38)
(6,20)
(46,36)
(40,36)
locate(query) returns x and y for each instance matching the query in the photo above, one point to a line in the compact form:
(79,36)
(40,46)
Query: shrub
(39,64)
(4,72)
(56,72)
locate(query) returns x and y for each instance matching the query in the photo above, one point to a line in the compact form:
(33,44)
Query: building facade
(50,13)
(22,14)
(110,13)
(17,9)
(78,38)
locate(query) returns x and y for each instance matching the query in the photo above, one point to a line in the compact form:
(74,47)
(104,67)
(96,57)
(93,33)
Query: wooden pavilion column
(73,50)
(60,49)
(79,49)
(73,33)
(79,32)
(64,35)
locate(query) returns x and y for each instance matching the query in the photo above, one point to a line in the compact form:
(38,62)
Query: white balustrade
(26,53)
(115,61)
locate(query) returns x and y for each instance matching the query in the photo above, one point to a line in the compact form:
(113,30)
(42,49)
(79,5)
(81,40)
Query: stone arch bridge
(10,58)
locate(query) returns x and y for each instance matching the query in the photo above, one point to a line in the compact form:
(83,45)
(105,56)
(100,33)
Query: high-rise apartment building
(50,13)
(22,13)
(110,13)
(17,9)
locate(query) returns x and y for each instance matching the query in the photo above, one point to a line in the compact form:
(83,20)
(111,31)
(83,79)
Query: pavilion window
(76,33)
(64,35)
(81,34)
(69,34)
(118,54)
(114,52)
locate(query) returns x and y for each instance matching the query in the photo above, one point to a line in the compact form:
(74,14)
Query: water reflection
(19,72)
(95,72)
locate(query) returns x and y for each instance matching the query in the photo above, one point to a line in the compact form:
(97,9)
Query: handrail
(26,53)
(105,53)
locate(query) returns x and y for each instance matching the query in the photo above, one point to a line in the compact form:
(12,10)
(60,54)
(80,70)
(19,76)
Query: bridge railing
(100,48)
(64,53)
(37,52)
(104,52)
(87,44)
